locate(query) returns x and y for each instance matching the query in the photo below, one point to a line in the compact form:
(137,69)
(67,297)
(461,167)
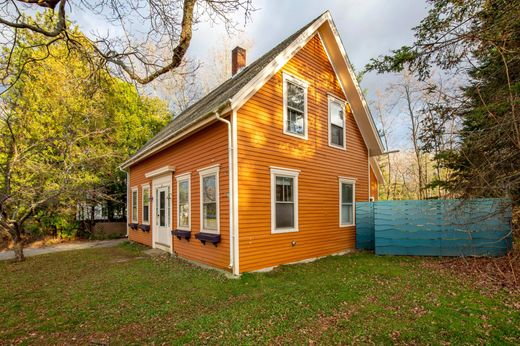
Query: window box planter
(145,228)
(208,237)
(133,226)
(182,234)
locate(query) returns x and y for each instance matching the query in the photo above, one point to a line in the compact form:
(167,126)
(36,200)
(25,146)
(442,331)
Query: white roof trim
(160,171)
(341,65)
(377,170)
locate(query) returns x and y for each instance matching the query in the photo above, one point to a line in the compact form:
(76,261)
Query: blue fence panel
(365,225)
(480,227)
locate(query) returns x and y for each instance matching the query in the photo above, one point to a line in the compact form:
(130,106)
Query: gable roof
(234,92)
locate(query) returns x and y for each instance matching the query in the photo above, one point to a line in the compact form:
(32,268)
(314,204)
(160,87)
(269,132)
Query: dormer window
(295,106)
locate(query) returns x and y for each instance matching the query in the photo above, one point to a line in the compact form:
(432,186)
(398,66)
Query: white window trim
(181,178)
(332,98)
(353,182)
(160,171)
(304,84)
(143,188)
(135,218)
(204,172)
(285,172)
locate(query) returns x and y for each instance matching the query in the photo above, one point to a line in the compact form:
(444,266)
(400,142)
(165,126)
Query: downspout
(230,193)
(127,198)
(369,175)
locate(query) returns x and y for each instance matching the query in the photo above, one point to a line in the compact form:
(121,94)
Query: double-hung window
(336,123)
(146,204)
(183,202)
(347,202)
(209,200)
(284,200)
(294,106)
(134,204)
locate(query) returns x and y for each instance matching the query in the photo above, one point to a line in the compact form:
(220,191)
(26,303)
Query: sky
(368,28)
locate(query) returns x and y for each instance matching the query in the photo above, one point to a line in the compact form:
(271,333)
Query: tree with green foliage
(479,43)
(63,132)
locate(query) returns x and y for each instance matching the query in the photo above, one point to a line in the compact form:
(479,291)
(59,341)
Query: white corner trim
(160,171)
(275,172)
(289,78)
(236,252)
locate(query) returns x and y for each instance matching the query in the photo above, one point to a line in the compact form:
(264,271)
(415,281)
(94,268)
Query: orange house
(267,168)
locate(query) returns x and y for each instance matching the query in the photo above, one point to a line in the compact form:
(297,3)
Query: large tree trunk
(18,251)
(18,243)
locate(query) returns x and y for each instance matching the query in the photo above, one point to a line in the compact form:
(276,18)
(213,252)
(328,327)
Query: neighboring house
(267,168)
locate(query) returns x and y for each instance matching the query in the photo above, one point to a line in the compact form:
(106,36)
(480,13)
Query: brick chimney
(238,59)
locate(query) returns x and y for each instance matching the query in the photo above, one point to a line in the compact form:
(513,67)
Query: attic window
(336,123)
(294,106)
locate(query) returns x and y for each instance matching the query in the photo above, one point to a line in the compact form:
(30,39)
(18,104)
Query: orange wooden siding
(202,149)
(261,144)
(374,192)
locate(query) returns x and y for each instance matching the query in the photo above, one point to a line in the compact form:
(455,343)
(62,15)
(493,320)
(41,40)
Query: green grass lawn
(118,296)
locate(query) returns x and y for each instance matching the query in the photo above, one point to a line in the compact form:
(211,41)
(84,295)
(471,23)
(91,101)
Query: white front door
(162,217)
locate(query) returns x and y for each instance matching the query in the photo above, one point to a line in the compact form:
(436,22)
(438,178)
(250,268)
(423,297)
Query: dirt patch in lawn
(489,273)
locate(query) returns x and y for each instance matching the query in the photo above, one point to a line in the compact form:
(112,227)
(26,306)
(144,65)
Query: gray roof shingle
(203,108)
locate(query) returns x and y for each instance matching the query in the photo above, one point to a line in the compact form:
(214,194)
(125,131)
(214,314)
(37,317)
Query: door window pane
(162,208)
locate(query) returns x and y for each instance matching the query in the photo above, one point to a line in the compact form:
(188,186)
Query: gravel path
(7,255)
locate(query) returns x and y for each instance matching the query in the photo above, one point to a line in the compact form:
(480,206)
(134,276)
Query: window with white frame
(183,202)
(284,200)
(347,202)
(134,205)
(336,123)
(209,200)
(146,204)
(295,106)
